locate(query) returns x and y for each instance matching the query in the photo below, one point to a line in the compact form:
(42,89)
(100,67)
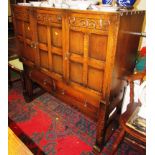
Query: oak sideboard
(81,57)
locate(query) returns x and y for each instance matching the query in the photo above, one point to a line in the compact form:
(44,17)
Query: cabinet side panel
(127,48)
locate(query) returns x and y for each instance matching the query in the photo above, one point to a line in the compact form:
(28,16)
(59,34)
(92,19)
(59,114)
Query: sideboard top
(121,12)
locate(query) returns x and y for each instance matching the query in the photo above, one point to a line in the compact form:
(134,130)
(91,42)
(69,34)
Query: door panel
(76,42)
(24,33)
(76,70)
(27,30)
(56,37)
(19,27)
(44,59)
(97,46)
(95,79)
(42,33)
(57,64)
(87,50)
(49,33)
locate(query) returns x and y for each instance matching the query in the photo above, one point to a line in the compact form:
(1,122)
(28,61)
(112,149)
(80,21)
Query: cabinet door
(87,50)
(24,33)
(50,47)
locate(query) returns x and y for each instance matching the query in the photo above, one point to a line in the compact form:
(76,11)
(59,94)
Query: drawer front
(43,80)
(84,103)
(84,107)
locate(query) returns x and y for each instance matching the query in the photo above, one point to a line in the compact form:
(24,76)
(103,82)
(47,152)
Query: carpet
(48,126)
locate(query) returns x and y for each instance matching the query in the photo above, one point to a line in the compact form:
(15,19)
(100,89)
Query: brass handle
(33,44)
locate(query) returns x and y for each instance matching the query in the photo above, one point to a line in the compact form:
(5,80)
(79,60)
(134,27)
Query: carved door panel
(87,51)
(24,33)
(50,47)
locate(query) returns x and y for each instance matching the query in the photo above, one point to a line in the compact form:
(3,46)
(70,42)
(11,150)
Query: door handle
(33,44)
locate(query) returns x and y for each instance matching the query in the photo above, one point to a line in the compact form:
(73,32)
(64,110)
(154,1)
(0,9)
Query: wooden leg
(28,94)
(118,140)
(101,128)
(9,77)
(22,76)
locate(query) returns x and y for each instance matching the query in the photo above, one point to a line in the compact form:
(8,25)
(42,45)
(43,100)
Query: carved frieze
(90,23)
(22,16)
(48,19)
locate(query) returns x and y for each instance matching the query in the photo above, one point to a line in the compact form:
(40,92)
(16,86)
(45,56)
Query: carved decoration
(90,23)
(47,19)
(22,14)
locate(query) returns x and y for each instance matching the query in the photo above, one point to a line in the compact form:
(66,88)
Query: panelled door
(87,50)
(50,43)
(24,33)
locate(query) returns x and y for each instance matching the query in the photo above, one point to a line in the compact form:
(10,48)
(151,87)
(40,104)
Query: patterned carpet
(49,126)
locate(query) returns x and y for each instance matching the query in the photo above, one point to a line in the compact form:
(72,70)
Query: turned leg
(117,141)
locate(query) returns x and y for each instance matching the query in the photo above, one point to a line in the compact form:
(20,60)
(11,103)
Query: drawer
(43,80)
(81,105)
(84,103)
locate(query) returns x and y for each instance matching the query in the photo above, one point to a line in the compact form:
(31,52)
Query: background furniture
(14,65)
(16,146)
(80,57)
(138,138)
